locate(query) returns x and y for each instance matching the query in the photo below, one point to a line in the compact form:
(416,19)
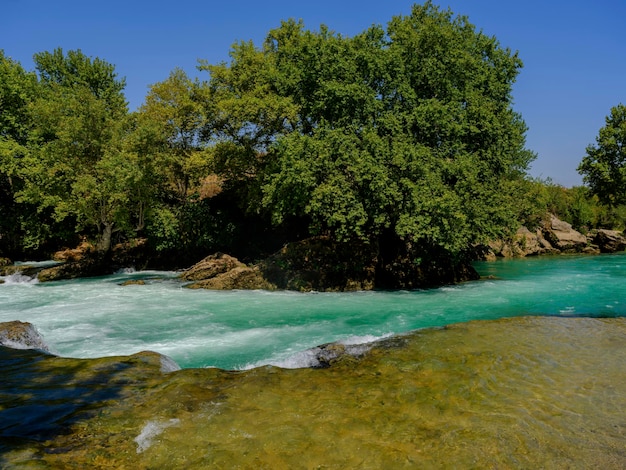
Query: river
(242,329)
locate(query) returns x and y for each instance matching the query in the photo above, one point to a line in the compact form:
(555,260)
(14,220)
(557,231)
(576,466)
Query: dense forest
(402,139)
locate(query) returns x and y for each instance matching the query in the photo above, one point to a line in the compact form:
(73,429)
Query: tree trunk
(104,245)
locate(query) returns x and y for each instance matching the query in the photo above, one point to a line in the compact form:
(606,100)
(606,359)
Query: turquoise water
(242,329)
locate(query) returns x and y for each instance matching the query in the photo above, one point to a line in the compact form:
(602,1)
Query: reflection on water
(526,392)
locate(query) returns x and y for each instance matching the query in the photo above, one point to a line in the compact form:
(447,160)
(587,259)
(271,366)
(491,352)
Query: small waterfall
(18,278)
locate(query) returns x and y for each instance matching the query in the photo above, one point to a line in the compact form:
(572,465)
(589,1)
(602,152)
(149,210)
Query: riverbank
(318,264)
(517,393)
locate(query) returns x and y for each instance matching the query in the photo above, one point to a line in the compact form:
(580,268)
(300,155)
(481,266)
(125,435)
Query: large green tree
(604,166)
(76,166)
(406,133)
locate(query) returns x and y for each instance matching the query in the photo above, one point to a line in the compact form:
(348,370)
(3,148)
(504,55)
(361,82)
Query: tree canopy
(604,166)
(75,165)
(409,129)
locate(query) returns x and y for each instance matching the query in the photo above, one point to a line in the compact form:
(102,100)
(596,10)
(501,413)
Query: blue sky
(574,52)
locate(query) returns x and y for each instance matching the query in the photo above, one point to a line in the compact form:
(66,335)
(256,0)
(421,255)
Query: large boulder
(211,266)
(527,243)
(608,241)
(241,277)
(562,236)
(224,272)
(523,243)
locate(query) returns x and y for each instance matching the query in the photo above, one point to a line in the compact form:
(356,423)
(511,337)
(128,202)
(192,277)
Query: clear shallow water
(241,329)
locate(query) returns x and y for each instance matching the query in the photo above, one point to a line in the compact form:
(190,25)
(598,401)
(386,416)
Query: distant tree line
(401,137)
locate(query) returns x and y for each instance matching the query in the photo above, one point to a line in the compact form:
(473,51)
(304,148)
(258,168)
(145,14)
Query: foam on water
(18,278)
(150,431)
(358,340)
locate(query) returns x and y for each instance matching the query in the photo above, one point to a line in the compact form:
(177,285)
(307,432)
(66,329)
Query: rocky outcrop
(21,335)
(524,243)
(319,264)
(87,266)
(563,237)
(403,397)
(86,261)
(554,237)
(24,335)
(224,272)
(608,241)
(211,266)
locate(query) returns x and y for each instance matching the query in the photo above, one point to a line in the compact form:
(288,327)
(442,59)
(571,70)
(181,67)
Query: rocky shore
(311,265)
(556,237)
(318,264)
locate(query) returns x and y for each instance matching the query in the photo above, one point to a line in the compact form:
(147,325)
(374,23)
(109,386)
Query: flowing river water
(529,373)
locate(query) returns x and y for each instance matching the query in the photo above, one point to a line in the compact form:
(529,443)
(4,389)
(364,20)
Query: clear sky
(574,51)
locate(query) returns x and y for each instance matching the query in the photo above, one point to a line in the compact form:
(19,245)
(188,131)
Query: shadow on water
(42,396)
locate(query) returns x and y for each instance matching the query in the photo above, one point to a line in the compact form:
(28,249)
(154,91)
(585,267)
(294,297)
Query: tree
(406,133)
(174,111)
(604,166)
(76,166)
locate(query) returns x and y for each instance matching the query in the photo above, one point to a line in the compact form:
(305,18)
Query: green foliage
(401,139)
(75,166)
(17,90)
(174,114)
(164,229)
(408,129)
(576,205)
(604,166)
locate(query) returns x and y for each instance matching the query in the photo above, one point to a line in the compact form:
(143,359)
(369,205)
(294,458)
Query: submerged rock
(133,282)
(26,270)
(524,392)
(165,363)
